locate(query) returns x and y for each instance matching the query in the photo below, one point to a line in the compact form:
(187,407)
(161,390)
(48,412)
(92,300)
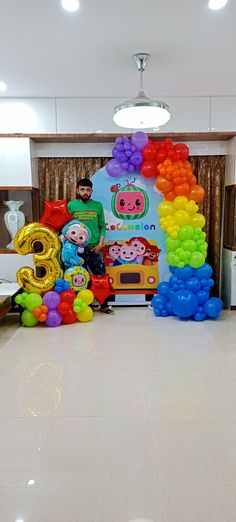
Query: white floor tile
(10,499)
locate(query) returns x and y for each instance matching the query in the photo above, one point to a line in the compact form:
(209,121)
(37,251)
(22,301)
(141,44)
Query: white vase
(14,220)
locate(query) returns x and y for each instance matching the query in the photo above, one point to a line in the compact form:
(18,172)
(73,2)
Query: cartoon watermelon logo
(130,202)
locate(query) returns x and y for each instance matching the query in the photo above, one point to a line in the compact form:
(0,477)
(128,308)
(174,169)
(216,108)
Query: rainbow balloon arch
(187,293)
(53,297)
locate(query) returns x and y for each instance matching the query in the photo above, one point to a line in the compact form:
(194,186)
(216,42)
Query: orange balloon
(163,184)
(37,312)
(196,193)
(182,190)
(170,196)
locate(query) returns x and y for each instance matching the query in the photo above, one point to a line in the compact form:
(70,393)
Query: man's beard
(84,198)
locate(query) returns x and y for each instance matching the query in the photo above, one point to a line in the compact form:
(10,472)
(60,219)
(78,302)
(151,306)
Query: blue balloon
(164,313)
(184,303)
(158,302)
(157,312)
(169,308)
(163,288)
(173,280)
(202,296)
(198,316)
(211,282)
(184,273)
(203,272)
(193,284)
(213,307)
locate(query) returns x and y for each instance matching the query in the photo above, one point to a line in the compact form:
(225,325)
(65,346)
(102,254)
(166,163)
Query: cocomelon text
(138,226)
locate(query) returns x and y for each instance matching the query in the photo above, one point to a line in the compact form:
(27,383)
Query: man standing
(91,213)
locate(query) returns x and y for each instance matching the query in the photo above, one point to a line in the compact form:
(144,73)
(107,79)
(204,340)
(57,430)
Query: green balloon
(172,244)
(171,259)
(186,232)
(28,318)
(189,245)
(84,307)
(197,259)
(33,300)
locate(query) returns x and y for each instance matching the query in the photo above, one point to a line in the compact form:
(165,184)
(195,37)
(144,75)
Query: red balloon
(64,307)
(56,214)
(149,169)
(182,150)
(149,152)
(161,155)
(101,287)
(70,317)
(68,296)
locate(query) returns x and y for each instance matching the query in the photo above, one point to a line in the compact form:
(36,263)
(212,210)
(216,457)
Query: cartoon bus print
(132,264)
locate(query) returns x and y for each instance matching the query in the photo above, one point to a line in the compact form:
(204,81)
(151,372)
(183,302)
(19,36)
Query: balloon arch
(52,296)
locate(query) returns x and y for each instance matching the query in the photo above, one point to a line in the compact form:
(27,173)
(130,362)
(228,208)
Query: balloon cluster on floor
(187,294)
(50,296)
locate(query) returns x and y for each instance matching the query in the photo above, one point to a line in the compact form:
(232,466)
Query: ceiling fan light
(141,115)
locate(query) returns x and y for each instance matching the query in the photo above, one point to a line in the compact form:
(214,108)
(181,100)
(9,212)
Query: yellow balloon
(165,208)
(191,207)
(180,202)
(181,217)
(86,296)
(27,240)
(86,315)
(198,220)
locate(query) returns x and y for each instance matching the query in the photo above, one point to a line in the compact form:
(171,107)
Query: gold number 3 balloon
(39,240)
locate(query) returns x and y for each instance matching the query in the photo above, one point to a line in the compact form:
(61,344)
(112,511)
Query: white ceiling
(45,51)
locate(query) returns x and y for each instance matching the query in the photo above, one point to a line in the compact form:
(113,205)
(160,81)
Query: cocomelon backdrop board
(134,249)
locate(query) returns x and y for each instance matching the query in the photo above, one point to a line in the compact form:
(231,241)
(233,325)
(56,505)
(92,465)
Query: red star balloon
(56,214)
(101,287)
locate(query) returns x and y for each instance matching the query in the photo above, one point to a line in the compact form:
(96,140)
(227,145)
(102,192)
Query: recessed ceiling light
(3,86)
(217,4)
(70,5)
(31,482)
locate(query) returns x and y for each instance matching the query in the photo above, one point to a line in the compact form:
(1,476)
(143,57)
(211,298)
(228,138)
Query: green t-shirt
(92,215)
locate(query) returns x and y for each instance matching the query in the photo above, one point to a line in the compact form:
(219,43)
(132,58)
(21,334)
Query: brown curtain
(58,177)
(210,173)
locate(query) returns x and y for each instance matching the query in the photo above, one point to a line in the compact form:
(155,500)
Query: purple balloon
(114,168)
(120,147)
(125,165)
(139,140)
(131,168)
(118,141)
(121,157)
(126,139)
(128,153)
(114,152)
(132,148)
(53,318)
(51,300)
(136,158)
(127,145)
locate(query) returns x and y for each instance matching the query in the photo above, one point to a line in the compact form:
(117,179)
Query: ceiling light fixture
(217,4)
(70,5)
(141,112)
(3,86)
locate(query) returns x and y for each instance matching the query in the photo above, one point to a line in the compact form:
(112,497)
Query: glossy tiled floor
(128,417)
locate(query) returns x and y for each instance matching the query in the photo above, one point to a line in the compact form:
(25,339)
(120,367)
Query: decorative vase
(14,220)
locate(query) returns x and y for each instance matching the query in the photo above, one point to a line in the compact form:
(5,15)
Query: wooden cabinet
(230,218)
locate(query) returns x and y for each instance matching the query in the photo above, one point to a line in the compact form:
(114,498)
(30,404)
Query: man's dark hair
(84,182)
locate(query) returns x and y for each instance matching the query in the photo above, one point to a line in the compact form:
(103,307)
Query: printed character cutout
(129,202)
(111,252)
(75,236)
(141,244)
(128,255)
(151,256)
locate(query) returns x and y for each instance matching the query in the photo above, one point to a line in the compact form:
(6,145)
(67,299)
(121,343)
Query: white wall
(91,115)
(15,163)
